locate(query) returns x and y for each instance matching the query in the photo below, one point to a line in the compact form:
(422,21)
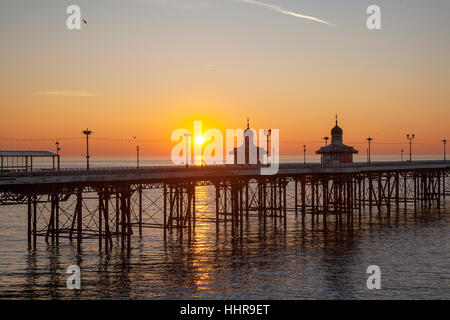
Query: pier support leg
(371,192)
(129,228)
(284,202)
(34,220)
(56,226)
(140,209)
(108,238)
(325,204)
(217,186)
(79,220)
(117,212)
(360,201)
(247,200)
(443,185)
(29,216)
(100,220)
(165,213)
(303,196)
(296,197)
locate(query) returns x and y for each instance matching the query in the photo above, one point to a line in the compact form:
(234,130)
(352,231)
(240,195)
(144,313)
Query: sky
(147,67)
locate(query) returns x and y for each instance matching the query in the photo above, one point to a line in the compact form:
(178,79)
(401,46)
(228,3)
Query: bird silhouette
(84,21)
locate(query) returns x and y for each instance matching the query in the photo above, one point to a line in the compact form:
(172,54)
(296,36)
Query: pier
(108,203)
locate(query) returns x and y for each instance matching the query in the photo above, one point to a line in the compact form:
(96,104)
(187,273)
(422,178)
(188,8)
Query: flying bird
(84,21)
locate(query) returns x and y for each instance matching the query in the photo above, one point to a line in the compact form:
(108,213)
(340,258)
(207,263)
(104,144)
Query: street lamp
(57,152)
(187,135)
(268,134)
(137,153)
(369,139)
(410,138)
(445,149)
(87,132)
(304,155)
(57,148)
(402,154)
(326,140)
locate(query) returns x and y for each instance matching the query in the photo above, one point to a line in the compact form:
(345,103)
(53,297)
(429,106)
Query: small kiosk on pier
(336,152)
(23,160)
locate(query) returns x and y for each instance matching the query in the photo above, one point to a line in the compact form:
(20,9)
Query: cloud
(287,12)
(195,5)
(67,93)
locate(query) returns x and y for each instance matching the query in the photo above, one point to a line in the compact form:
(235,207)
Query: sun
(199,140)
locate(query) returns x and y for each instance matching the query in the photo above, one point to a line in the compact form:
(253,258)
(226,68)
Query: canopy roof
(27,154)
(336,148)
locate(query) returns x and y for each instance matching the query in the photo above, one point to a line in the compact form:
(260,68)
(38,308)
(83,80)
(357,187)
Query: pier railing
(199,168)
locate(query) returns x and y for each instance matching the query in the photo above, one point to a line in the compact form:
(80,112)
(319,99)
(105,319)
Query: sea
(294,261)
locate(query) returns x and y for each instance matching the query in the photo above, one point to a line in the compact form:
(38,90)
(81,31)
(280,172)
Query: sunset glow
(222,159)
(199,140)
(205,60)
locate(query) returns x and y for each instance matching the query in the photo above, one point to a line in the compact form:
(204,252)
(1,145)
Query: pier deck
(107,203)
(161,173)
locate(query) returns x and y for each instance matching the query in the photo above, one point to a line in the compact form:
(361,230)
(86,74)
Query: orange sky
(147,69)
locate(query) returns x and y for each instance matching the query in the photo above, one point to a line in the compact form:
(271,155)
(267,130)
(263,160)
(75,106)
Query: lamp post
(445,149)
(326,140)
(87,132)
(137,153)
(268,134)
(186,136)
(304,155)
(137,157)
(369,139)
(402,154)
(410,138)
(57,152)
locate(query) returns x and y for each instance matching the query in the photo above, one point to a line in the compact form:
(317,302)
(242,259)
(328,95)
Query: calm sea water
(297,262)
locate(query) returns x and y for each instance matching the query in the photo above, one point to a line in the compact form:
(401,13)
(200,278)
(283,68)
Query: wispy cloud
(176,4)
(284,11)
(67,93)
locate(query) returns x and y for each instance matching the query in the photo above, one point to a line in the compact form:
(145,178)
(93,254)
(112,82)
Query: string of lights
(364,142)
(41,139)
(80,138)
(128,140)
(131,140)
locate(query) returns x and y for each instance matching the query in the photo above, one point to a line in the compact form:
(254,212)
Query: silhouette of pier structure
(116,203)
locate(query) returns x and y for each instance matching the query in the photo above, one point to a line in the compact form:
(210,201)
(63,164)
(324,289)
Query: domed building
(248,147)
(336,152)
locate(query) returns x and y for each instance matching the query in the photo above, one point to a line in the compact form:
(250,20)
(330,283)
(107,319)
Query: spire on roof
(248,123)
(336,118)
